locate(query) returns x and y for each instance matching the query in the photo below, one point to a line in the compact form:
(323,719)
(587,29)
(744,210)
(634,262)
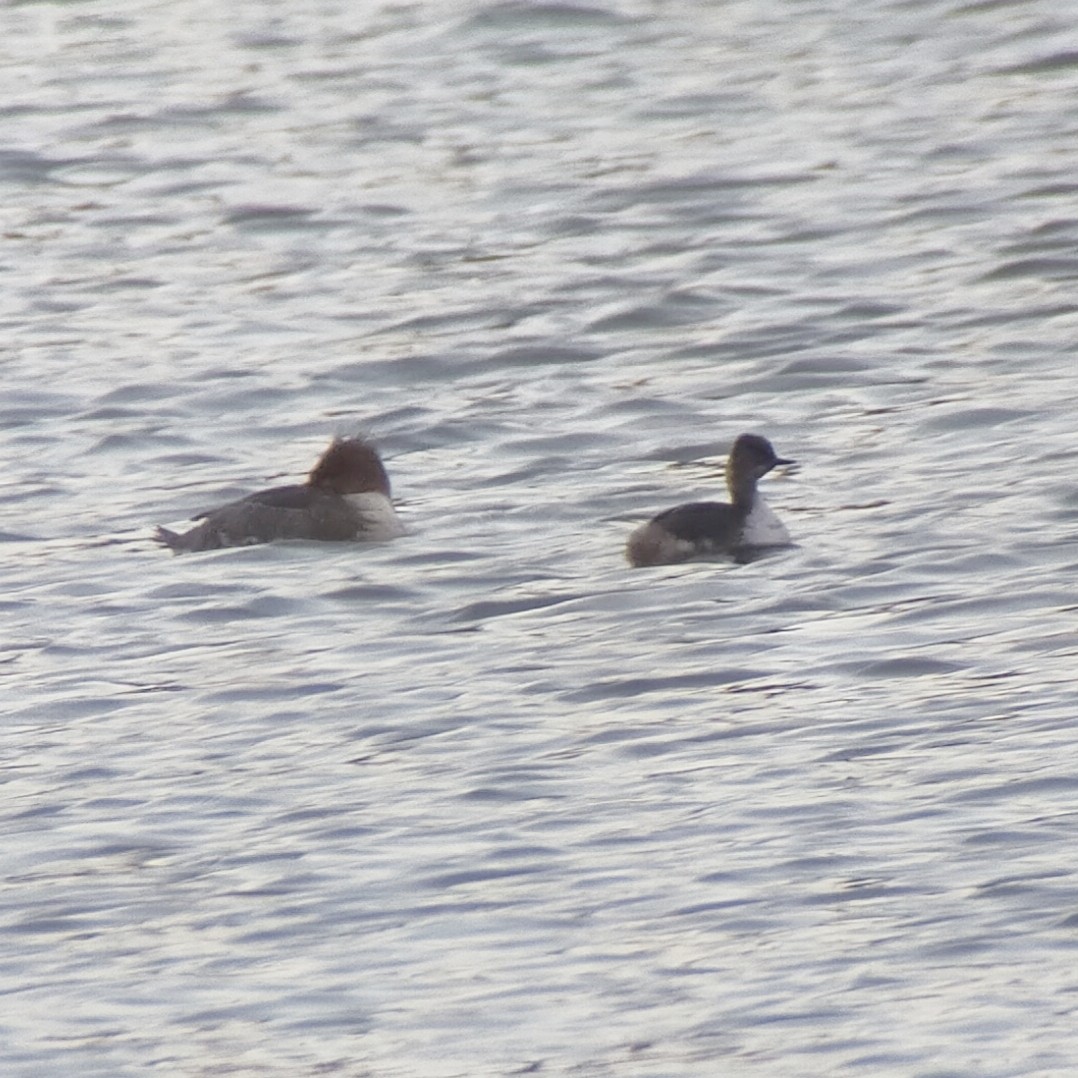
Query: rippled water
(483,801)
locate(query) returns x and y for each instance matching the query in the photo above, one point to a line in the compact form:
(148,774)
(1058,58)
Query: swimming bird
(698,528)
(346,497)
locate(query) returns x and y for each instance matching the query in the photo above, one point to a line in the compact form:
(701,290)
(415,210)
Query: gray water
(483,801)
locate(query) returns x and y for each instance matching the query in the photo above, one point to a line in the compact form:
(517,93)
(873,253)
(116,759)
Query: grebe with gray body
(346,498)
(698,528)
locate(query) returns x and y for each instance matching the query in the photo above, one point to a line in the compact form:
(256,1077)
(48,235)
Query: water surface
(482,801)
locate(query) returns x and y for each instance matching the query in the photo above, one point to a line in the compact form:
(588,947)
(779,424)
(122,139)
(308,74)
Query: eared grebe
(346,497)
(747,522)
